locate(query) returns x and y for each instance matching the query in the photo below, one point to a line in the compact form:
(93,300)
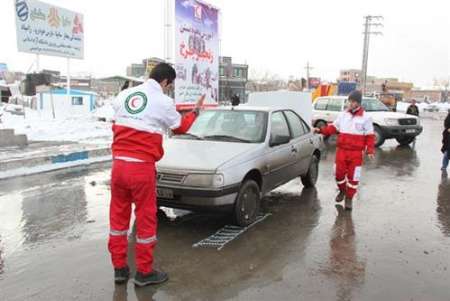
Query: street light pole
(365,57)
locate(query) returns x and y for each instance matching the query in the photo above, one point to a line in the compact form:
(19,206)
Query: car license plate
(410,131)
(164,193)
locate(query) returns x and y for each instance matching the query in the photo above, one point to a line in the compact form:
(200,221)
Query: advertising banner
(46,29)
(196,51)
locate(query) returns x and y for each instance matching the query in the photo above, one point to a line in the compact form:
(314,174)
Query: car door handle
(294,150)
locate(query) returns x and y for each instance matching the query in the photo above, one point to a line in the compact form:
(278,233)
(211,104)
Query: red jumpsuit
(142,116)
(355,136)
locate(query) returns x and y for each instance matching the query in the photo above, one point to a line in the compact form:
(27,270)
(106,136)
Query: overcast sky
(277,36)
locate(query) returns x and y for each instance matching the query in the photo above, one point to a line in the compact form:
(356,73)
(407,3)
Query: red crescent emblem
(133,100)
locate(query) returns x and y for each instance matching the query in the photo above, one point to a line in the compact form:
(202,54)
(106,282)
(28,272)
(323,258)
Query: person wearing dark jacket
(446,143)
(413,109)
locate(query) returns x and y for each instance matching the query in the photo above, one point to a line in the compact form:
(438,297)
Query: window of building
(237,72)
(222,71)
(77,101)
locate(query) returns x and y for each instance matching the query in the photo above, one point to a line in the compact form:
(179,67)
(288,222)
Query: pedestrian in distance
(413,109)
(446,143)
(143,114)
(355,137)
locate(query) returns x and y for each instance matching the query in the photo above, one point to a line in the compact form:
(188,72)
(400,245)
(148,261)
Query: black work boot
(340,196)
(121,275)
(348,203)
(155,277)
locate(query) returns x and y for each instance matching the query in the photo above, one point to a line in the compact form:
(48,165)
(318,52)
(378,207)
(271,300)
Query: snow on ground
(40,127)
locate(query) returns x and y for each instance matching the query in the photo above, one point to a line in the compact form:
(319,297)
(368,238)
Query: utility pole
(308,68)
(370,21)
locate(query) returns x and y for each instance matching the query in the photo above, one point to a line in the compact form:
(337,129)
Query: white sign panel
(196,51)
(46,29)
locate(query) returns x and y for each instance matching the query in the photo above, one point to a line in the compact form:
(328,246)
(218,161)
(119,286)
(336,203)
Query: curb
(31,166)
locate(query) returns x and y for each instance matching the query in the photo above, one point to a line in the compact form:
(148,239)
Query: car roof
(245,107)
(342,97)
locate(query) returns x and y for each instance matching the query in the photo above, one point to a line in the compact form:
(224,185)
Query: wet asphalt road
(394,246)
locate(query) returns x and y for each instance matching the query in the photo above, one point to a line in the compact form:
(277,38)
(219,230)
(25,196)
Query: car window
(373,105)
(306,127)
(321,104)
(279,125)
(334,105)
(295,123)
(244,125)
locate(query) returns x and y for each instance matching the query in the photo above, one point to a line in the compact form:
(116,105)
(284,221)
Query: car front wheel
(247,206)
(379,137)
(310,179)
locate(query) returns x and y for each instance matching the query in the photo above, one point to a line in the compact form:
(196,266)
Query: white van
(388,125)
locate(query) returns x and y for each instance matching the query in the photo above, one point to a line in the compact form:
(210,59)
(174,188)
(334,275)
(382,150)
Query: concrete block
(20,140)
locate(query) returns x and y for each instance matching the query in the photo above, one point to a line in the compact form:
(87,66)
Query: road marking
(226,234)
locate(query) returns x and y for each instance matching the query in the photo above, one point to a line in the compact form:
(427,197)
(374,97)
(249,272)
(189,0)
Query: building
(233,79)
(110,86)
(143,69)
(55,102)
(136,70)
(350,75)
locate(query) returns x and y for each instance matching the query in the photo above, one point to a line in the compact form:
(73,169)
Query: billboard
(196,51)
(46,29)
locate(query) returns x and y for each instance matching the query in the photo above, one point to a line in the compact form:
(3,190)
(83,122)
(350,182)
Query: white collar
(154,85)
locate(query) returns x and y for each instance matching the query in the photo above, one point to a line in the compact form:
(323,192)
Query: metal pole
(168,34)
(365,55)
(68,82)
(308,68)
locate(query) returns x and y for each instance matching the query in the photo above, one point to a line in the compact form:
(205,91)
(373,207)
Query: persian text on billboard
(196,51)
(46,29)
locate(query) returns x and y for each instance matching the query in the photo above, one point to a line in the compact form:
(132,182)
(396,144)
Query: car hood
(391,115)
(200,155)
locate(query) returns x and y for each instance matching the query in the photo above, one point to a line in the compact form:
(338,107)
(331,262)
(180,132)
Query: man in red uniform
(355,137)
(143,114)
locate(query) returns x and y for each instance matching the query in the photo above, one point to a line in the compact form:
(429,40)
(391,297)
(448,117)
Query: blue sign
(22,10)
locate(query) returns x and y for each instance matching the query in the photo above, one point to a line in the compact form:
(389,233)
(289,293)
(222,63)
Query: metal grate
(169,177)
(225,235)
(407,121)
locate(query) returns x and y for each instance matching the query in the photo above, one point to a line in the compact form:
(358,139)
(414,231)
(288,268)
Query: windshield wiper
(227,137)
(191,136)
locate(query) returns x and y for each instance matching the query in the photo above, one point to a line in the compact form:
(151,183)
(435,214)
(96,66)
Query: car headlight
(204,180)
(418,121)
(391,121)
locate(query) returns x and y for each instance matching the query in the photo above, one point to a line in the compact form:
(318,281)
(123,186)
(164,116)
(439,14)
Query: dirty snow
(39,127)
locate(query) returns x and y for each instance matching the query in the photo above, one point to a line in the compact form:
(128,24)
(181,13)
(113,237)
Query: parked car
(232,156)
(387,125)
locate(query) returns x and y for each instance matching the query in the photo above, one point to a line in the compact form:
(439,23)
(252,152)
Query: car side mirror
(279,140)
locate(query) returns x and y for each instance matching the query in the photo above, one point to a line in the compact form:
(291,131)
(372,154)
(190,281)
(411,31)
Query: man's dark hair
(163,71)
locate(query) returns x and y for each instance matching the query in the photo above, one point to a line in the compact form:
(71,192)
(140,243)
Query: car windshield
(373,105)
(229,125)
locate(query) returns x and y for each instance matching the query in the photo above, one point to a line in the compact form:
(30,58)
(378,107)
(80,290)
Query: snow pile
(105,112)
(39,127)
